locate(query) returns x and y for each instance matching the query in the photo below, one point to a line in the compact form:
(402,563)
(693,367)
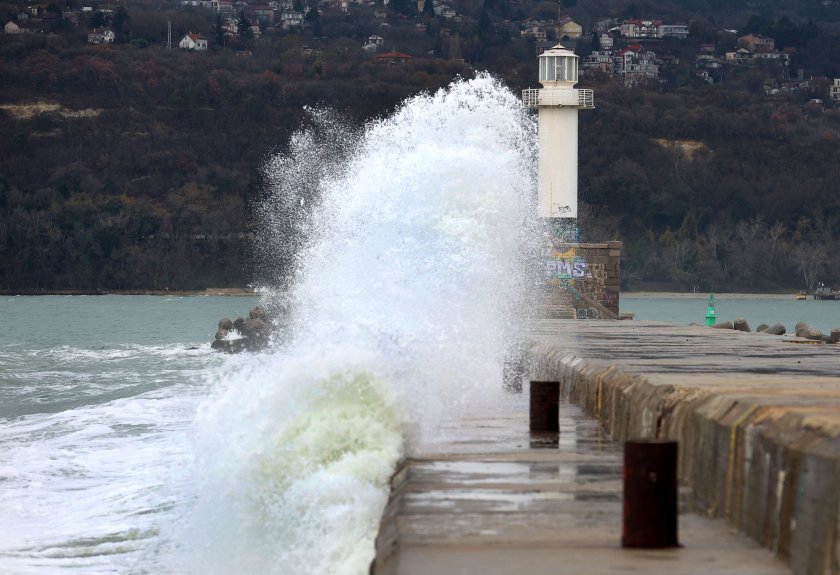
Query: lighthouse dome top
(558,67)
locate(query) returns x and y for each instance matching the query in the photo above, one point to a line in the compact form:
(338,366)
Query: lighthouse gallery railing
(579,98)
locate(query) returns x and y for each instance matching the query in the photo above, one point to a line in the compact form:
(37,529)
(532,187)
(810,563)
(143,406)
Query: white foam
(404,296)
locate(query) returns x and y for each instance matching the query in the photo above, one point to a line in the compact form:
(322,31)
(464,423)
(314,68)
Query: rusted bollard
(545,406)
(650,494)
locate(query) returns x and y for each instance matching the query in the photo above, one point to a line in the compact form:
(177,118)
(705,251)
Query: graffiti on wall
(589,273)
(562,265)
(566,268)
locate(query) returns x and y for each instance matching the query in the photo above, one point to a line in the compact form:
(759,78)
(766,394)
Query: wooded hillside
(131,166)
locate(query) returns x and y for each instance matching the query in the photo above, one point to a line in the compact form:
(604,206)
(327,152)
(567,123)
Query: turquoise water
(114,319)
(97,399)
(757,309)
(60,352)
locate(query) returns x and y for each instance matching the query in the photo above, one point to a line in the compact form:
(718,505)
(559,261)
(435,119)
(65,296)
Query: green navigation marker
(710,311)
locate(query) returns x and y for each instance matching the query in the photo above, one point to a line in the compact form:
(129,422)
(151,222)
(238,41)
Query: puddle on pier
(501,468)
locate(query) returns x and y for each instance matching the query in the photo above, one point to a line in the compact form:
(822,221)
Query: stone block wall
(591,273)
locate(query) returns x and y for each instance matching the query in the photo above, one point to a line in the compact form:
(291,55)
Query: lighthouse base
(580,280)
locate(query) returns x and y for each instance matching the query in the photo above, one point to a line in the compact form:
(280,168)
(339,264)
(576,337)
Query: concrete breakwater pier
(758,423)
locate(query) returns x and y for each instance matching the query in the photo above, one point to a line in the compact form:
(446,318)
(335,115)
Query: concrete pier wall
(757,419)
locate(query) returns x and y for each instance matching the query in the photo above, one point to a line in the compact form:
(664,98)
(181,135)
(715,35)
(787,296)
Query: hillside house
(834,90)
(39,9)
(193,42)
(652,30)
(291,19)
(373,44)
(605,24)
(393,57)
(756,43)
(739,56)
(780,57)
(601,60)
(230,27)
(264,14)
(533,31)
(568,29)
(12,27)
(606,41)
(641,29)
(678,31)
(223,7)
(101,37)
(707,61)
(636,65)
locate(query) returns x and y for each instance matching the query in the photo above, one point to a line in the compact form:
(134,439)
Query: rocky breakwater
(241,334)
(801,329)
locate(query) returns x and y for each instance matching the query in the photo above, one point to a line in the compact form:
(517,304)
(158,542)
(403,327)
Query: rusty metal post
(650,494)
(545,406)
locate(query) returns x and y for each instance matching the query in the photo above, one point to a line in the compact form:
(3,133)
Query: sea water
(127,446)
(755,308)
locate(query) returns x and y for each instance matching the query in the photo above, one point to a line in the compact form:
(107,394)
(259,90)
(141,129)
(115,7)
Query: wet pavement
(489,498)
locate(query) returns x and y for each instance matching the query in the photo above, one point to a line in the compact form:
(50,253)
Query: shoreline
(231,292)
(240,292)
(705,295)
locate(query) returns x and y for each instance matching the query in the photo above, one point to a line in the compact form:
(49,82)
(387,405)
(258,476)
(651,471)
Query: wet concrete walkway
(489,499)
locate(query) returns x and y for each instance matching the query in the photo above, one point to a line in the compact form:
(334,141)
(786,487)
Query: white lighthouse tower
(558,103)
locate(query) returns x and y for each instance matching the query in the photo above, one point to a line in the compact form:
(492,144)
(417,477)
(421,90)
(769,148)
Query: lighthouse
(558,103)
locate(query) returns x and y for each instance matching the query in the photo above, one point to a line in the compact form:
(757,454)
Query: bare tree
(810,259)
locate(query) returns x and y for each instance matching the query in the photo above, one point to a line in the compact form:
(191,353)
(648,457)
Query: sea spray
(295,455)
(404,286)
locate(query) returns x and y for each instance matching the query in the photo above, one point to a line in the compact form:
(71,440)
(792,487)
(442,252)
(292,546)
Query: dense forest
(134,166)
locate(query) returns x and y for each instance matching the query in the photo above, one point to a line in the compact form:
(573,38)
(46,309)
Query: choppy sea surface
(756,308)
(97,395)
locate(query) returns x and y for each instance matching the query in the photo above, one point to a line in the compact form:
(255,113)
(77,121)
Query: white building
(636,64)
(652,30)
(678,31)
(536,32)
(193,42)
(13,28)
(599,60)
(835,90)
(291,19)
(101,37)
(641,28)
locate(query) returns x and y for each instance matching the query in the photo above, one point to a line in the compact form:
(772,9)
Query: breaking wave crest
(399,282)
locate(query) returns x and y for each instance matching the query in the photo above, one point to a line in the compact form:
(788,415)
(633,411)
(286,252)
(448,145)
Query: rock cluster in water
(802,329)
(251,334)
